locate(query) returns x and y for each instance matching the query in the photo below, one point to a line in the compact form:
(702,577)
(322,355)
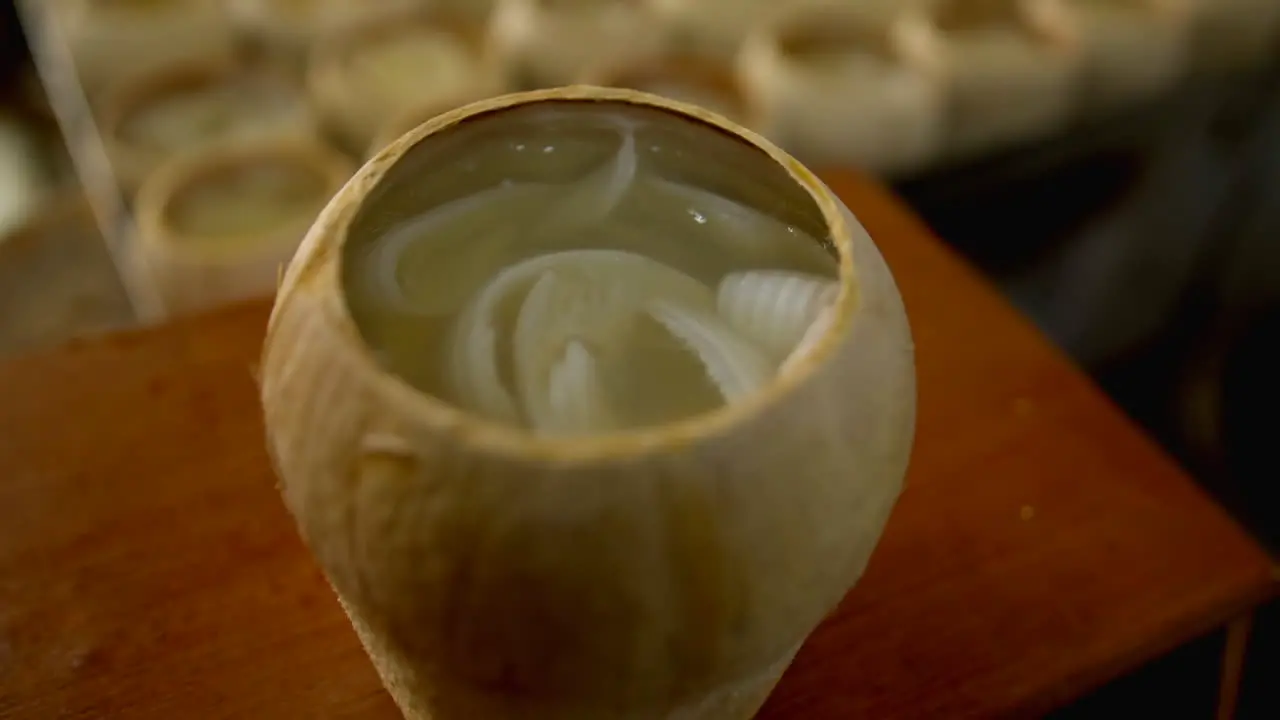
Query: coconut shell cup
(113,42)
(192,267)
(1231,35)
(706,82)
(545,43)
(270,106)
(1010,69)
(669,571)
(357,108)
(856,86)
(287,30)
(411,118)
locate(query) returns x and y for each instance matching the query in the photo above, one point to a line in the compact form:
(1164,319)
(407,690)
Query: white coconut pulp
(610,299)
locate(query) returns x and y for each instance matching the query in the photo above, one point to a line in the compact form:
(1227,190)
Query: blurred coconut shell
(133,159)
(356,111)
(194,270)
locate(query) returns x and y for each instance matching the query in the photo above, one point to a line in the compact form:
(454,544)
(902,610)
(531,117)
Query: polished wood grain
(1043,545)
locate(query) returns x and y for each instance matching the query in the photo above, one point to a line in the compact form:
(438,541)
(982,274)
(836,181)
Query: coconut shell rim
(157,234)
(318,262)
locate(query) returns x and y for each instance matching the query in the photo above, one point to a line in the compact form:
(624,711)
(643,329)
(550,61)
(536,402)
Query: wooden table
(1043,546)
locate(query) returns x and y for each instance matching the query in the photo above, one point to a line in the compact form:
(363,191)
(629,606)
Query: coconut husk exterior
(893,124)
(132,163)
(665,572)
(353,111)
(112,45)
(191,276)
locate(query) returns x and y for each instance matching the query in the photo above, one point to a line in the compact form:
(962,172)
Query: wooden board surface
(148,569)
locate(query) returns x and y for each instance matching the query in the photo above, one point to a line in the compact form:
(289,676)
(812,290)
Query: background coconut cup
(680,77)
(112,41)
(287,30)
(355,110)
(715,28)
(888,123)
(663,572)
(192,269)
(544,43)
(1027,91)
(133,159)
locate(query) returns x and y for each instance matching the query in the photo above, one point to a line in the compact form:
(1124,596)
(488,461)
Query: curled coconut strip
(598,194)
(737,367)
(589,201)
(555,373)
(775,308)
(575,394)
(619,283)
(454,273)
(741,228)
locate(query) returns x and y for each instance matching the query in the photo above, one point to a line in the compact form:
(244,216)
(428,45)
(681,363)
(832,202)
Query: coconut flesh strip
(738,228)
(556,375)
(737,367)
(623,283)
(774,307)
(453,274)
(593,198)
